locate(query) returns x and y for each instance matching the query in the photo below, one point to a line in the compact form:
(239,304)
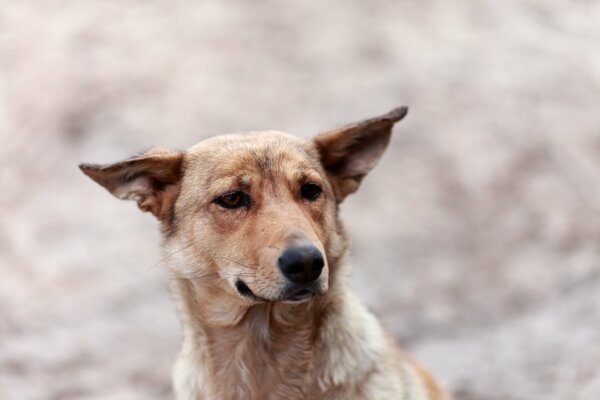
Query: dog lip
(242,288)
(302,292)
(245,291)
(299,295)
(294,296)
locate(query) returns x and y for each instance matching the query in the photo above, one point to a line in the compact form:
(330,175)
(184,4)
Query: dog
(254,245)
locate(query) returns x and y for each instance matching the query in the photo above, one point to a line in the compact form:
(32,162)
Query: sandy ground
(476,240)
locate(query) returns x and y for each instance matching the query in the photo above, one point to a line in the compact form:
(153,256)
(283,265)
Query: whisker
(168,256)
(238,263)
(233,261)
(208,275)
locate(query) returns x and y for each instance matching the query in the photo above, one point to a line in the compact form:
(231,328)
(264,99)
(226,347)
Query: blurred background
(476,240)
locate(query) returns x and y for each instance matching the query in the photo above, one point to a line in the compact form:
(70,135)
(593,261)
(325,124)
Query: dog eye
(233,200)
(310,191)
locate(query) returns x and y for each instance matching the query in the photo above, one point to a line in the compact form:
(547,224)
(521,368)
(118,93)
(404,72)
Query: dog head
(254,216)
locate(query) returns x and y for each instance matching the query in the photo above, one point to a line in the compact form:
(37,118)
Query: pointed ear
(151,179)
(350,152)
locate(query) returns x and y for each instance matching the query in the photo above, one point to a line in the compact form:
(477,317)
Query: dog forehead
(246,141)
(257,152)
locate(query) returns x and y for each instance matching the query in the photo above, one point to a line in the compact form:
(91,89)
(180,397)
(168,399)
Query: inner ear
(151,179)
(350,152)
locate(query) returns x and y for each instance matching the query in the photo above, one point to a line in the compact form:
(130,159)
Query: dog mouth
(245,291)
(291,296)
(299,296)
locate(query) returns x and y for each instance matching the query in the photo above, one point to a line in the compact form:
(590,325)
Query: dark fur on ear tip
(89,169)
(387,119)
(397,113)
(94,172)
(84,167)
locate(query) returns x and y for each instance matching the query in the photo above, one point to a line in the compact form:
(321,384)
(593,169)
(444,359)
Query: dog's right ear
(151,179)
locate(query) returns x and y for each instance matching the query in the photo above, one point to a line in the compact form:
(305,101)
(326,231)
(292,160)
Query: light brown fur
(258,344)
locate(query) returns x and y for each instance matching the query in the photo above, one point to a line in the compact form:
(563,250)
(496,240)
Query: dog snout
(301,264)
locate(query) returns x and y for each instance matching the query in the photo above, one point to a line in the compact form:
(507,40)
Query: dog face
(253,216)
(263,210)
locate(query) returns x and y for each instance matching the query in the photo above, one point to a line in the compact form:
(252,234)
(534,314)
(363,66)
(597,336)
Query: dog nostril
(301,264)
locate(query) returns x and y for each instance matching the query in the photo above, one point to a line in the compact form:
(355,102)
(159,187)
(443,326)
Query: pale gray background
(476,239)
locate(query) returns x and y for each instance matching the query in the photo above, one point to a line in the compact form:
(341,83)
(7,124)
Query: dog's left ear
(151,179)
(350,152)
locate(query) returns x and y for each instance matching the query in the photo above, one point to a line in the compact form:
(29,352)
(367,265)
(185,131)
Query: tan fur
(260,347)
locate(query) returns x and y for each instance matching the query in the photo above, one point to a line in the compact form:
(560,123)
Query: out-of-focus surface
(476,239)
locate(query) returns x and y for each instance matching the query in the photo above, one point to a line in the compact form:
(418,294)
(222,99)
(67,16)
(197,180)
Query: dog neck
(255,352)
(242,350)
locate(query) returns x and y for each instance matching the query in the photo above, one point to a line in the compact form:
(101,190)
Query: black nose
(301,264)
